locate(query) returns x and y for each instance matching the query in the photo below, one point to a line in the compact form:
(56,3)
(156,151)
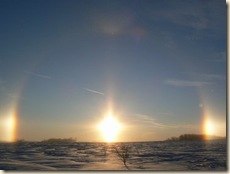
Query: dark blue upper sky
(161,63)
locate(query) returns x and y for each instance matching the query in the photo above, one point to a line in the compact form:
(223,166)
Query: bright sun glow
(109,128)
(7,128)
(209,128)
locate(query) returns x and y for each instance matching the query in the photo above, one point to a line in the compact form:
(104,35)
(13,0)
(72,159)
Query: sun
(109,128)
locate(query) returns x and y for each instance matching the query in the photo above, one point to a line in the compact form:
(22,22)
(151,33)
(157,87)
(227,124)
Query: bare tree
(123,152)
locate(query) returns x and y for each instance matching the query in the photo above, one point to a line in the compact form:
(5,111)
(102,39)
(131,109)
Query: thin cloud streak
(93,91)
(215,76)
(186,83)
(38,75)
(146,119)
(210,77)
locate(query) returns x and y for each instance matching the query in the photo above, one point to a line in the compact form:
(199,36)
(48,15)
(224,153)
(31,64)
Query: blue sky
(162,65)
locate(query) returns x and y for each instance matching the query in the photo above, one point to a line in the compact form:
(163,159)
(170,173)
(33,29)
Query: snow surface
(154,156)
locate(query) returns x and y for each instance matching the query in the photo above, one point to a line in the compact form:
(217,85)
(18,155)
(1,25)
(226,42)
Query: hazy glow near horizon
(109,128)
(214,127)
(209,128)
(8,128)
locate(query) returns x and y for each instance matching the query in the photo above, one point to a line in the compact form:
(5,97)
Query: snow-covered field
(164,156)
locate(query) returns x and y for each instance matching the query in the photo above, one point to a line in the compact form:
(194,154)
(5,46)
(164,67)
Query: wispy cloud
(209,77)
(186,83)
(182,13)
(147,119)
(38,74)
(197,13)
(93,91)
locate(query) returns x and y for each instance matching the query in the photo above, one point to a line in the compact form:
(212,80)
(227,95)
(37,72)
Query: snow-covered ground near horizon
(158,156)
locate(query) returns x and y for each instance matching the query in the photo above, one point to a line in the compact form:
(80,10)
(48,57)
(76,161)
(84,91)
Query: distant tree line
(192,137)
(60,140)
